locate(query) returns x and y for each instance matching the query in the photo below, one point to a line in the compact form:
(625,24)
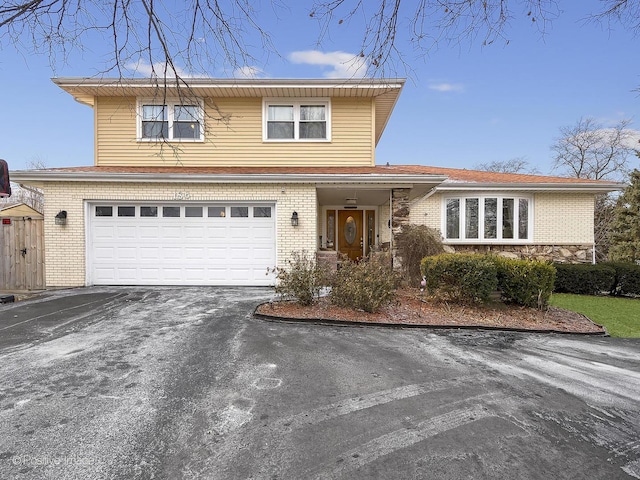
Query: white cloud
(632,139)
(248,71)
(446,87)
(155,70)
(341,64)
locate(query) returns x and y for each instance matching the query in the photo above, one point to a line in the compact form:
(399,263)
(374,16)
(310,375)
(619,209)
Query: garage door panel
(126,254)
(240,253)
(172,274)
(108,274)
(149,231)
(238,274)
(171,232)
(103,231)
(127,232)
(181,250)
(104,253)
(265,254)
(195,233)
(149,253)
(171,253)
(149,274)
(127,275)
(195,253)
(195,274)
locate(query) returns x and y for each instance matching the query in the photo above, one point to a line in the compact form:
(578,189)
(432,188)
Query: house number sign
(182,196)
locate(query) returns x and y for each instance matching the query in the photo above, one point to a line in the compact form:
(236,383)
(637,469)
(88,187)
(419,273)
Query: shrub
(366,285)
(627,278)
(414,243)
(302,280)
(461,277)
(584,279)
(525,282)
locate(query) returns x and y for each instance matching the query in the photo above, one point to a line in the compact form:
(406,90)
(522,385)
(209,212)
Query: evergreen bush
(525,282)
(627,278)
(584,279)
(466,278)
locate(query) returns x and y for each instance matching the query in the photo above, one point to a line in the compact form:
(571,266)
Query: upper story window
(299,120)
(489,219)
(176,121)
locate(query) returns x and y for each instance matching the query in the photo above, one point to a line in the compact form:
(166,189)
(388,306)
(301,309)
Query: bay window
(300,120)
(490,218)
(170,120)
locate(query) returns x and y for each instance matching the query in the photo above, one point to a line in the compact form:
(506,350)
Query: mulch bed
(411,310)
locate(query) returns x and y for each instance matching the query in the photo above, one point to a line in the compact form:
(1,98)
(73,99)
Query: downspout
(30,189)
(391,223)
(425,196)
(593,253)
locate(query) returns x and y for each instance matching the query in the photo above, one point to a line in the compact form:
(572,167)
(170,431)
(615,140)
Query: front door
(350,240)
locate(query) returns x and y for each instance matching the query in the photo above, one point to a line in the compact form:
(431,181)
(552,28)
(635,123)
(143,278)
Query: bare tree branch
(513,165)
(590,150)
(199,33)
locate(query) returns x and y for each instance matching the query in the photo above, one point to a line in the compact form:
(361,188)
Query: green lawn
(620,316)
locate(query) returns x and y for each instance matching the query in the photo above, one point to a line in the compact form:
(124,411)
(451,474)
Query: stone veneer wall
(553,253)
(400,217)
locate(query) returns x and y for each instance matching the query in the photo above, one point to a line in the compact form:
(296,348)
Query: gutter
(591,187)
(204,82)
(53,176)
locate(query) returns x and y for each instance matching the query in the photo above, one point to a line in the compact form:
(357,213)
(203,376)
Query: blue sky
(462,106)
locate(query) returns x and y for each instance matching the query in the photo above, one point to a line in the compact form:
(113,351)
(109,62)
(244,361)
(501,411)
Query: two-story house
(214,183)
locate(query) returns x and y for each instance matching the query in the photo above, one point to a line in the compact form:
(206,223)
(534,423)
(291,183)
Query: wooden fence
(22,253)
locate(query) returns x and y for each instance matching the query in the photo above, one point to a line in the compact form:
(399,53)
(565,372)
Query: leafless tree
(513,165)
(34,197)
(172,39)
(590,150)
(189,37)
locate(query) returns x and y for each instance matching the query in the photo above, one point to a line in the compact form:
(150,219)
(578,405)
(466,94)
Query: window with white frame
(490,218)
(170,120)
(300,120)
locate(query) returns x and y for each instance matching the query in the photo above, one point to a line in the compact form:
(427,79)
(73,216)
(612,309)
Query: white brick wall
(427,211)
(65,245)
(563,218)
(559,218)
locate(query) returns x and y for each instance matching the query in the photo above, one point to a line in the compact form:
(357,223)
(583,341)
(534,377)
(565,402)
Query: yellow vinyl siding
(237,142)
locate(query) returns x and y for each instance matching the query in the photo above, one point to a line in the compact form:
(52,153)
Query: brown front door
(350,233)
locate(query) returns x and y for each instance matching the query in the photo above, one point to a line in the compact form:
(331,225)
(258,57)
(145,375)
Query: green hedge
(461,277)
(525,282)
(473,278)
(584,279)
(627,278)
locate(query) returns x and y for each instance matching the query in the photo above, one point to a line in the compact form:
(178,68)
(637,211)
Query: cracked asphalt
(183,383)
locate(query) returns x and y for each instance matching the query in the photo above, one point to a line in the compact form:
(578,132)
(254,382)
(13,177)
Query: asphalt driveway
(174,383)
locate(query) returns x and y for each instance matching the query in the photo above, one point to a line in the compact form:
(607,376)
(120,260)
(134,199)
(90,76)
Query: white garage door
(167,244)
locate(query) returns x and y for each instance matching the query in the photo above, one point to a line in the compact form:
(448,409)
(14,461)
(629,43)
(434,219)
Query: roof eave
(586,187)
(195,82)
(327,178)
